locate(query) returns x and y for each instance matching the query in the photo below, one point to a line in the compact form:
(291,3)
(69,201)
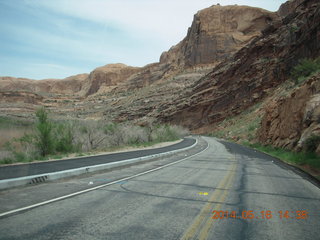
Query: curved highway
(29,169)
(216,191)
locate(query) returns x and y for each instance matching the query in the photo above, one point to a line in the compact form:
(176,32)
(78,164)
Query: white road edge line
(50,176)
(97,187)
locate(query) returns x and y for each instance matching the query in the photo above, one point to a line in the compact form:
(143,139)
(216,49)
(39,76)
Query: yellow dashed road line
(202,224)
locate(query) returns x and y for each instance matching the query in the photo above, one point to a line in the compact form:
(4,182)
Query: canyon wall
(290,121)
(256,69)
(216,33)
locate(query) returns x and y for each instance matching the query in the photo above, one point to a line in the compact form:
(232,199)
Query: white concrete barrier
(15,182)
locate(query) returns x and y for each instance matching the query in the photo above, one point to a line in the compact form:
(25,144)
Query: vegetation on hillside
(304,69)
(53,139)
(243,128)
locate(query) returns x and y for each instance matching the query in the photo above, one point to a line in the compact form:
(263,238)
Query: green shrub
(64,137)
(52,139)
(20,157)
(110,128)
(162,133)
(7,160)
(44,137)
(299,158)
(252,127)
(304,69)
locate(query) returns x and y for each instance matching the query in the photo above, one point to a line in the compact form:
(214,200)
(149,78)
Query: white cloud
(88,33)
(49,69)
(164,20)
(36,70)
(167,20)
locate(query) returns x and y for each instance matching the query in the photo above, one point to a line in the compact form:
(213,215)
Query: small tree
(44,139)
(64,138)
(94,134)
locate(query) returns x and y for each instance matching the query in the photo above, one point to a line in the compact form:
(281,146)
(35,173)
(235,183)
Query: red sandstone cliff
(70,85)
(234,85)
(105,78)
(290,121)
(231,59)
(216,33)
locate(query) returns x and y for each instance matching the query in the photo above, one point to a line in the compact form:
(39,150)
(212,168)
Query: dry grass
(9,134)
(241,127)
(87,136)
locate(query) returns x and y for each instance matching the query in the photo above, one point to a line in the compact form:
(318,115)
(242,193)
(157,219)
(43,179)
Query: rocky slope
(104,79)
(20,97)
(215,34)
(70,85)
(101,79)
(290,120)
(124,92)
(255,70)
(232,58)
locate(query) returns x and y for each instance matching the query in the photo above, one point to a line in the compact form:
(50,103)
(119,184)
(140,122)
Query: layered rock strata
(256,69)
(290,121)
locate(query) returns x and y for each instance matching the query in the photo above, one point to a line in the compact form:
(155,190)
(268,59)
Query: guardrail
(45,177)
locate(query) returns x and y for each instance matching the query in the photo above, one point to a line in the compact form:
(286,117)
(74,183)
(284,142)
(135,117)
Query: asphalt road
(264,200)
(22,170)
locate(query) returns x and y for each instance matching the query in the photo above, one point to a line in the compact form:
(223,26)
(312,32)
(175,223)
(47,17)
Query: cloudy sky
(58,38)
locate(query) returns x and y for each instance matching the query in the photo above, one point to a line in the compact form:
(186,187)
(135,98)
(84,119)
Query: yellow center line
(205,216)
(208,225)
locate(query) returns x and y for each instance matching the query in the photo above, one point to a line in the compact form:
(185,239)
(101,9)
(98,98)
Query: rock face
(70,85)
(289,7)
(216,33)
(100,79)
(231,59)
(147,76)
(234,85)
(290,121)
(104,78)
(22,97)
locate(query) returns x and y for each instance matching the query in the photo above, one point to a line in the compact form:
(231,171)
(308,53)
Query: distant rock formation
(256,69)
(216,33)
(289,7)
(230,60)
(69,85)
(102,79)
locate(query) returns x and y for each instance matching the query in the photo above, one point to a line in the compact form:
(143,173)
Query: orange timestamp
(259,214)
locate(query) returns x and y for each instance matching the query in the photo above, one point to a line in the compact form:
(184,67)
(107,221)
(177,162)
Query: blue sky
(58,38)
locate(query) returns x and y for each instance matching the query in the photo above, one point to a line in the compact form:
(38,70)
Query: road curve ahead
(29,169)
(224,192)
